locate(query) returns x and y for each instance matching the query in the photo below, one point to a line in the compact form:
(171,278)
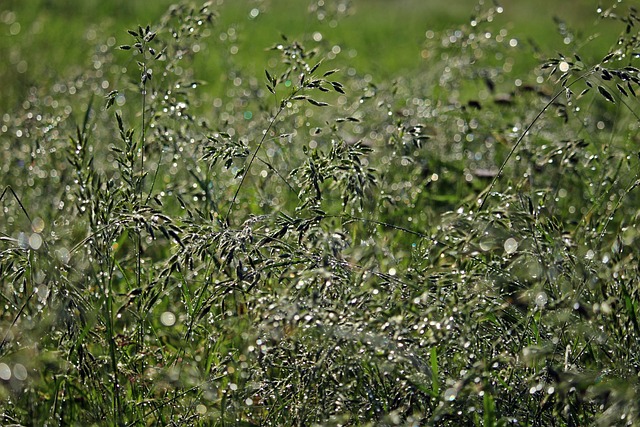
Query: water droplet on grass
(63,255)
(5,372)
(541,299)
(168,318)
(35,241)
(23,241)
(510,245)
(450,394)
(20,372)
(486,245)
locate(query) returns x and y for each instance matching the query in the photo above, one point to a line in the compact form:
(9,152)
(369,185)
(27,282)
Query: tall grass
(313,247)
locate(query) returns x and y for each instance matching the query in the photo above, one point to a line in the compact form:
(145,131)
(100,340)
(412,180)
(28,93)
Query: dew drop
(5,372)
(450,394)
(541,299)
(37,225)
(20,372)
(485,245)
(35,241)
(168,318)
(510,245)
(63,255)
(23,241)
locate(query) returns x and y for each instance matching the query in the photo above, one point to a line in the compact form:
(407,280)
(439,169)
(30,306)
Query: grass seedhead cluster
(458,246)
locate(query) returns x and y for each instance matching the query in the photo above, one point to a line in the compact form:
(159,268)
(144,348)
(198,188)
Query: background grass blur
(43,40)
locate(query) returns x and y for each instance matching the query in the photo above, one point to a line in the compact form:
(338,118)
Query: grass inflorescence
(310,246)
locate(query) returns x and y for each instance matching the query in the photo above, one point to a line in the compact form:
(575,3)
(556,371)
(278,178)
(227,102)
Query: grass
(304,236)
(66,34)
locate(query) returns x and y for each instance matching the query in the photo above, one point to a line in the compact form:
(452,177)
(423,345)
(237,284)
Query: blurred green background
(43,41)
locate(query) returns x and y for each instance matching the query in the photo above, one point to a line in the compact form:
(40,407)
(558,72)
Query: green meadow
(319,213)
(48,40)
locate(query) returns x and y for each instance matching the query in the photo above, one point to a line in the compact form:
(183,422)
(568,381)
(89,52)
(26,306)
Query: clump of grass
(316,248)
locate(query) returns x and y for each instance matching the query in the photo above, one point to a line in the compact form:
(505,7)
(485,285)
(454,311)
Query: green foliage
(312,247)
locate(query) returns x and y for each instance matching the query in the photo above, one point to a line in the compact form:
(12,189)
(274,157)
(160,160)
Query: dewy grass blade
(487,192)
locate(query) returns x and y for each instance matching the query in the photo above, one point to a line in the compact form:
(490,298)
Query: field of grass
(319,213)
(45,41)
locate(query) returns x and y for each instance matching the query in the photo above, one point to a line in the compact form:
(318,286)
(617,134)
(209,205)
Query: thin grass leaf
(314,68)
(337,86)
(630,88)
(607,95)
(270,79)
(317,103)
(608,57)
(621,89)
(435,384)
(584,92)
